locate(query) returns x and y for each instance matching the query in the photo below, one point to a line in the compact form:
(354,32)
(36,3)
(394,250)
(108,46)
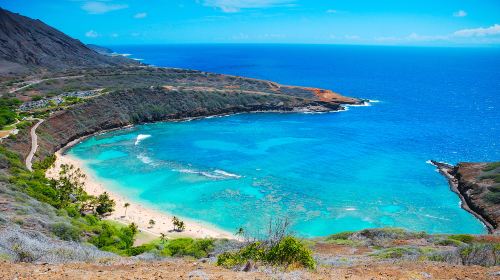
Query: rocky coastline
(122,108)
(465,180)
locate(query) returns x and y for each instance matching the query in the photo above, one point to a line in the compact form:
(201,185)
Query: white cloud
(140,15)
(352,37)
(478,32)
(417,37)
(481,35)
(91,34)
(94,7)
(460,13)
(233,6)
(331,11)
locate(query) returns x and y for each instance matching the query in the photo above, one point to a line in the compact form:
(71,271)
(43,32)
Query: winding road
(34,82)
(34,145)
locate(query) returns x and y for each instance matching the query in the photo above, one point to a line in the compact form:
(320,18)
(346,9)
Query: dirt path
(194,269)
(34,145)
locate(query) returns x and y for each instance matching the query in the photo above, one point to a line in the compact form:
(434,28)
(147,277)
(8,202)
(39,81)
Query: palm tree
(126,205)
(240,232)
(151,223)
(163,237)
(134,228)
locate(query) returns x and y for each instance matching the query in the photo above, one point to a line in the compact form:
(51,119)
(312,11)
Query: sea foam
(141,137)
(216,174)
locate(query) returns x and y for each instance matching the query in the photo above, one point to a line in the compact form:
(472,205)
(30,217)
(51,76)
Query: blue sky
(374,22)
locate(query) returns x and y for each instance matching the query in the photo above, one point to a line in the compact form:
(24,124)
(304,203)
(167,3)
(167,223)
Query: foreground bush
(288,252)
(483,254)
(28,246)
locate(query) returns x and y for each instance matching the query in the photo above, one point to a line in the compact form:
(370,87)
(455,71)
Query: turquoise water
(362,168)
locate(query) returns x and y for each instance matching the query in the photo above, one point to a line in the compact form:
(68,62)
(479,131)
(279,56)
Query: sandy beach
(137,213)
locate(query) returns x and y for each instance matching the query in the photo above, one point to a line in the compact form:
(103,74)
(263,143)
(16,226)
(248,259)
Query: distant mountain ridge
(27,44)
(100,49)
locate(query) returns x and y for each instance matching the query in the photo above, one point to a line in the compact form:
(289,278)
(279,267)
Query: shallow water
(329,172)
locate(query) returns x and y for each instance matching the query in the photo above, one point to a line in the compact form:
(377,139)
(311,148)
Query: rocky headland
(478,186)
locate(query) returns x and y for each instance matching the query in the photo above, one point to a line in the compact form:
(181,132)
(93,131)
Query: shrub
(105,204)
(8,114)
(29,246)
(493,197)
(492,166)
(395,253)
(495,188)
(449,242)
(288,252)
(66,231)
(230,259)
(135,251)
(465,238)
(340,236)
(113,238)
(345,242)
(24,124)
(197,248)
(483,254)
(494,177)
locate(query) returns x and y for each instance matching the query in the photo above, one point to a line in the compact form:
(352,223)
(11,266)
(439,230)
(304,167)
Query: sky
(360,22)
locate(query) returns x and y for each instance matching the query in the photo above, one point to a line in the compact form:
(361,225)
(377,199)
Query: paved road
(34,82)
(34,145)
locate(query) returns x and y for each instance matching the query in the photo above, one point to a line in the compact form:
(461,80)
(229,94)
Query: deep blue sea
(361,168)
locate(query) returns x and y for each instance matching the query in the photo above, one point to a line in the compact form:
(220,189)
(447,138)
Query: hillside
(51,228)
(28,44)
(478,185)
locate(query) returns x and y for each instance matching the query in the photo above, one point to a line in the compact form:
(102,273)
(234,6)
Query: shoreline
(444,169)
(343,108)
(138,213)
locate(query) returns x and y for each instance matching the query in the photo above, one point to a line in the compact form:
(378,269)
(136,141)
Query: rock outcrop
(478,187)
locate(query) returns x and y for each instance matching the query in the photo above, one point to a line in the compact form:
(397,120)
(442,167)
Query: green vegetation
(70,100)
(494,177)
(395,253)
(23,124)
(114,239)
(449,242)
(492,172)
(197,248)
(288,252)
(178,224)
(340,236)
(465,238)
(8,114)
(66,193)
(492,166)
(485,254)
(493,197)
(85,212)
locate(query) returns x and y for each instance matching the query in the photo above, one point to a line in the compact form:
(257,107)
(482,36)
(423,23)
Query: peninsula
(478,186)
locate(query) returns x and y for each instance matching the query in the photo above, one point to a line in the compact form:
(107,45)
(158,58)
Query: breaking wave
(141,137)
(215,174)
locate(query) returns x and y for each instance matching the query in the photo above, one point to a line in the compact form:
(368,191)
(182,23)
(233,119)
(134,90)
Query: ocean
(361,168)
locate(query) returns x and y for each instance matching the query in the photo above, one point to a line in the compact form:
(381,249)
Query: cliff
(121,108)
(478,186)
